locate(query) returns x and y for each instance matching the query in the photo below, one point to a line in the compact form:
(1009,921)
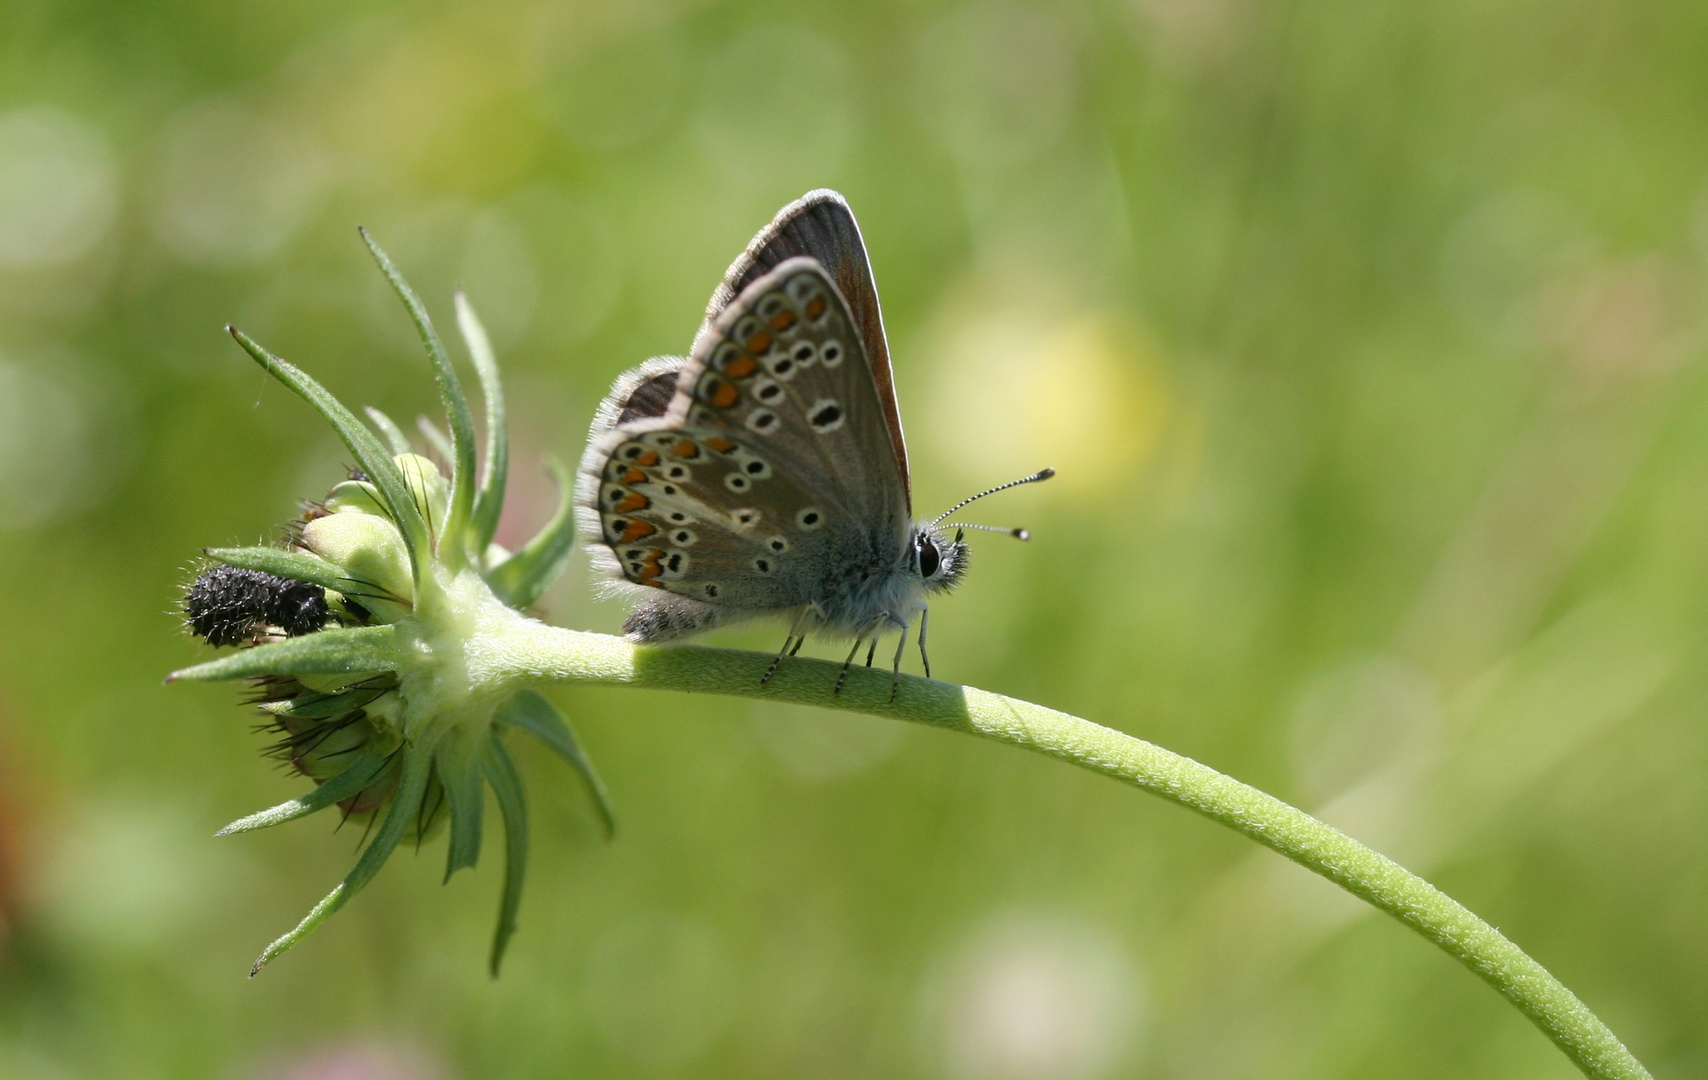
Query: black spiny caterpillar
(228,605)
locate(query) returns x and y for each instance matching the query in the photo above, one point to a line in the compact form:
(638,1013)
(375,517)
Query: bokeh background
(1367,338)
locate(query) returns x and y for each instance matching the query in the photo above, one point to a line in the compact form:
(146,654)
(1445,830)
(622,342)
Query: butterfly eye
(929,558)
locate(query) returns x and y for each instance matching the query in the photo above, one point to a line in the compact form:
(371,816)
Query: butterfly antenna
(1041,474)
(1018,534)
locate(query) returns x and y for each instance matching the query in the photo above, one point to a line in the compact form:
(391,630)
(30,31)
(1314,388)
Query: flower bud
(371,551)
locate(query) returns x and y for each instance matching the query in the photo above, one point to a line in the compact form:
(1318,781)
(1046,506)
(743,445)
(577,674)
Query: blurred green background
(1366,337)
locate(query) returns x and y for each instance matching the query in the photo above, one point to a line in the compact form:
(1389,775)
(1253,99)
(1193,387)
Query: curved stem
(534,652)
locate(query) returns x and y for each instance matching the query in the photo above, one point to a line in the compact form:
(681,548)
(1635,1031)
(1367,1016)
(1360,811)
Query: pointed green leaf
(417,766)
(525,576)
(437,440)
(350,782)
(344,651)
(530,711)
(370,455)
(297,565)
(489,500)
(460,776)
(310,705)
(513,805)
(456,410)
(394,435)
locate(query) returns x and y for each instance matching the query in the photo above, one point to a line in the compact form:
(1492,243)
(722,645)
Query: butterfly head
(939,561)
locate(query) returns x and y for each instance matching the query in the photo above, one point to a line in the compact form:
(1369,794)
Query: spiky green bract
(532,713)
(370,455)
(346,784)
(489,500)
(398,712)
(523,578)
(416,769)
(456,532)
(513,805)
(298,565)
(352,650)
(394,436)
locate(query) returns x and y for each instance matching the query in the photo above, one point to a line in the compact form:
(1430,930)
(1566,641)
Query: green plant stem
(534,652)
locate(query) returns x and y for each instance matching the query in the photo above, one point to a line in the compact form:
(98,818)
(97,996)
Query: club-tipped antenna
(1018,534)
(1041,474)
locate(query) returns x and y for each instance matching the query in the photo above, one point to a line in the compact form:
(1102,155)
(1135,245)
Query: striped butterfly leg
(895,671)
(797,636)
(842,676)
(868,632)
(924,616)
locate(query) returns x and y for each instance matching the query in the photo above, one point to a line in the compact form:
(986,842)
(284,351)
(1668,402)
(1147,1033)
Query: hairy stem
(534,652)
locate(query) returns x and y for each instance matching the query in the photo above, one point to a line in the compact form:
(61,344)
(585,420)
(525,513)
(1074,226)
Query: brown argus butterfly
(765,473)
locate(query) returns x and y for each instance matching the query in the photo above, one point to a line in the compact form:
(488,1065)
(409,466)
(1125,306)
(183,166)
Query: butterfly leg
(924,615)
(895,672)
(784,651)
(797,636)
(873,651)
(846,664)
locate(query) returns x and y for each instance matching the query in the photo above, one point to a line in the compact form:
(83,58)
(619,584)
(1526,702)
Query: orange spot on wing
(637,530)
(685,449)
(725,395)
(633,501)
(721,445)
(742,366)
(783,320)
(634,476)
(648,459)
(815,307)
(758,343)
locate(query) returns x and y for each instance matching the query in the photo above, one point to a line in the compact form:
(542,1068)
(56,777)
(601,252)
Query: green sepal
(319,706)
(513,805)
(349,782)
(489,499)
(524,577)
(355,496)
(456,409)
(437,440)
(370,454)
(530,711)
(460,775)
(427,486)
(348,650)
(297,565)
(394,436)
(417,767)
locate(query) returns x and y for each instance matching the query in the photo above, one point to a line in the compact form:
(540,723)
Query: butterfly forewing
(820,225)
(772,461)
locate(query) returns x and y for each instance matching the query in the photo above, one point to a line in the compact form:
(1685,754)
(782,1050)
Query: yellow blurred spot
(1024,388)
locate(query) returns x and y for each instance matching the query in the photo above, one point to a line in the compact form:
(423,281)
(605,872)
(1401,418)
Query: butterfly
(766,473)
